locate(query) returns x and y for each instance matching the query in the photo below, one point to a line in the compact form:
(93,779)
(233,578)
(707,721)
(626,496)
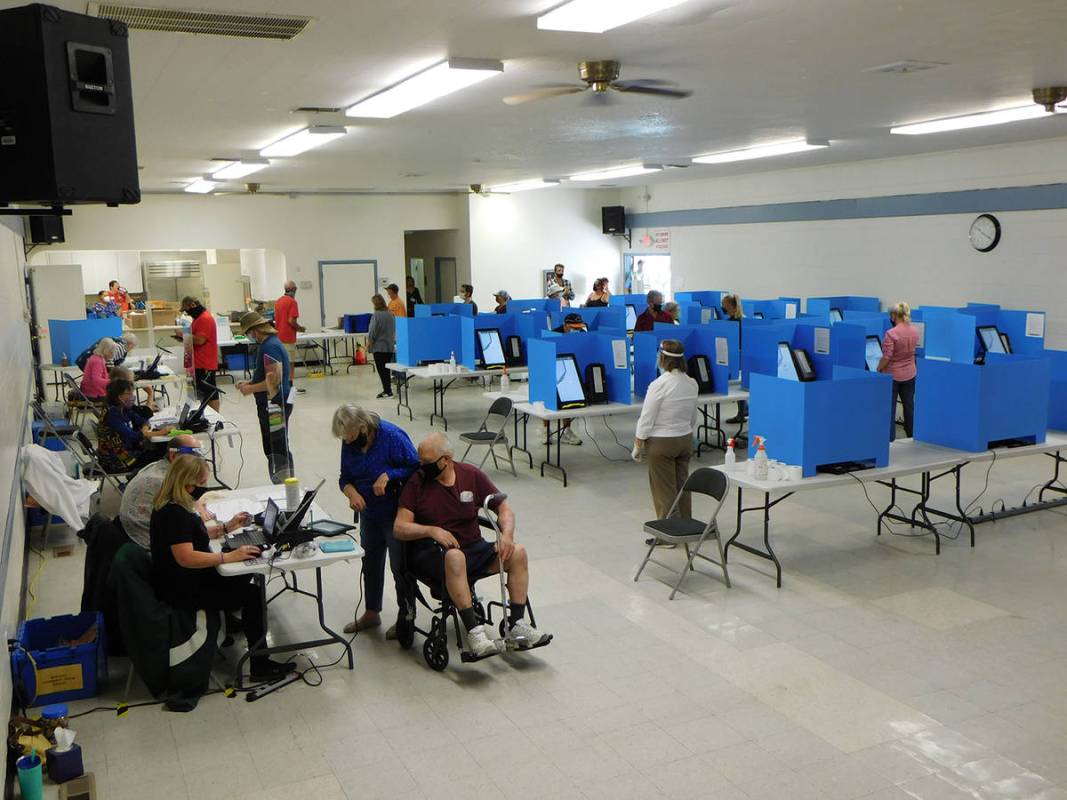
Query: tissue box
(64,765)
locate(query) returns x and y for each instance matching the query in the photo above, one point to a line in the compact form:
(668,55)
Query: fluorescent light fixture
(597,16)
(524,186)
(424,87)
(616,172)
(239,169)
(761,151)
(201,186)
(1000,117)
(303,140)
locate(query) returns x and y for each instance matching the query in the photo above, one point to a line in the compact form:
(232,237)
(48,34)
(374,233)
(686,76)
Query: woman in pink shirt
(95,378)
(898,359)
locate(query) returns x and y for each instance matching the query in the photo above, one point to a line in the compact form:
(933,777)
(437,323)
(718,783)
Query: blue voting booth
(444,309)
(588,348)
(820,306)
(1057,389)
(717,341)
(971,407)
(843,417)
(549,307)
(71,336)
(829,346)
(781,308)
(609,319)
(707,299)
(530,324)
(1025,329)
(423,339)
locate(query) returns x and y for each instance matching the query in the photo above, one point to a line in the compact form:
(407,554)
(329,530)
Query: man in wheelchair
(438,514)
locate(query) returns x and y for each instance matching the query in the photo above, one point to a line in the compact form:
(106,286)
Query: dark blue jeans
(376,537)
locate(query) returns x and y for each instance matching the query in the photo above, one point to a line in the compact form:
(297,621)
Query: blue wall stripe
(970,201)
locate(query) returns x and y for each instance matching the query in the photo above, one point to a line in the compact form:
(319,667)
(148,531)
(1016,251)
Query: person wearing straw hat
(270,384)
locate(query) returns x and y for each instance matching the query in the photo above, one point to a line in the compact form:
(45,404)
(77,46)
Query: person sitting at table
(184,568)
(502,297)
(665,429)
(95,376)
(600,295)
(376,458)
(123,374)
(135,512)
(381,342)
(104,307)
(674,311)
(653,313)
(898,359)
(438,508)
(123,440)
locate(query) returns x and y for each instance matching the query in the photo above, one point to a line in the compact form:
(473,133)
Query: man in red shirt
(287,323)
(438,508)
(205,349)
(654,313)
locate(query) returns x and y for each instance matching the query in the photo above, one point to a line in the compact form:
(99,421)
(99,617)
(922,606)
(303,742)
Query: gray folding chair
(93,468)
(679,530)
(491,433)
(78,403)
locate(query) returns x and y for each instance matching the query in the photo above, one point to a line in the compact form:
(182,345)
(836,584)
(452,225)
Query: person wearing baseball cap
(270,384)
(502,297)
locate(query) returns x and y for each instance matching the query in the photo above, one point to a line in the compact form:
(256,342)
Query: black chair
(673,529)
(92,465)
(491,433)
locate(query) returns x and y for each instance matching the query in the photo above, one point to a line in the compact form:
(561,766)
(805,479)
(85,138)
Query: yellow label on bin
(67,678)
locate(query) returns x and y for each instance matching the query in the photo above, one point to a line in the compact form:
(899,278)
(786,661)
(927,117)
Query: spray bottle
(505,381)
(452,361)
(762,462)
(730,458)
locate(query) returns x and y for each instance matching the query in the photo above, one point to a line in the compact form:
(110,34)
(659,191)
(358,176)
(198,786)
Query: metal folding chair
(673,529)
(92,467)
(80,405)
(491,433)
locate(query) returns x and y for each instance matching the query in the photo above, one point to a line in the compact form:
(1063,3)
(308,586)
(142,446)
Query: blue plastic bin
(55,673)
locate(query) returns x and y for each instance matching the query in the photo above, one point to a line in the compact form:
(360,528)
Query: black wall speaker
(66,109)
(613,219)
(46,229)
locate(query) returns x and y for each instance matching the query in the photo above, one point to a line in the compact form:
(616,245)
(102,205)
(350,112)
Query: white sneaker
(570,437)
(523,636)
(479,643)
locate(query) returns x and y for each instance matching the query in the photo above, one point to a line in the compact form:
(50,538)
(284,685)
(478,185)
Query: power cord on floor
(596,444)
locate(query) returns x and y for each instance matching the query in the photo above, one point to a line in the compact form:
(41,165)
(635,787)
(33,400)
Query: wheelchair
(435,648)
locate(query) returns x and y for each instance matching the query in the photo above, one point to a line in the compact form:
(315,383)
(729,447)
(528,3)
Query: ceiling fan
(601,76)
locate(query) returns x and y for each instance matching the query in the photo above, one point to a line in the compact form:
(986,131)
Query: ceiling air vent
(204,22)
(906,67)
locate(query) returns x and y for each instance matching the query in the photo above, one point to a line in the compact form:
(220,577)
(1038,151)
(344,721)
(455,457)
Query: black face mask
(195,311)
(291,292)
(360,441)
(657,307)
(431,471)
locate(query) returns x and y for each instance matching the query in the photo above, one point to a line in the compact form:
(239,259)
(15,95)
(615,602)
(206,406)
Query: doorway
(446,285)
(646,272)
(346,287)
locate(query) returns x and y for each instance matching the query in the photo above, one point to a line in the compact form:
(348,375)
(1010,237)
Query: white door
(57,294)
(346,288)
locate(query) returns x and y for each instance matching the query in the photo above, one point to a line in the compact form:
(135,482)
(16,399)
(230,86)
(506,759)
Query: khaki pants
(668,467)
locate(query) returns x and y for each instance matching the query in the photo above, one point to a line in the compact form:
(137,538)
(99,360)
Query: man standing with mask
(287,322)
(270,386)
(205,349)
(654,313)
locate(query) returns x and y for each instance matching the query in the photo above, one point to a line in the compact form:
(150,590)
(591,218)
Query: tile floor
(877,671)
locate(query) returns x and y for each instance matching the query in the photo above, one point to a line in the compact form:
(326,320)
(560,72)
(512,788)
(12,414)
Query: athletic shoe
(380,395)
(299,390)
(479,643)
(523,636)
(570,437)
(265,669)
(734,420)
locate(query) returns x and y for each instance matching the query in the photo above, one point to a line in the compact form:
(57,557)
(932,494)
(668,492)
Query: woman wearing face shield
(376,458)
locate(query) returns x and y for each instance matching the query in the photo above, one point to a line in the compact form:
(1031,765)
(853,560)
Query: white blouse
(670,407)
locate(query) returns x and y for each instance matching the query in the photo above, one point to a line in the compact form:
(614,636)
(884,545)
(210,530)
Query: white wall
(925,260)
(515,237)
(302,230)
(429,245)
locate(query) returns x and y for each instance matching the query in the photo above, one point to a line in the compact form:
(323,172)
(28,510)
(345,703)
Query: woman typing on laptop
(184,567)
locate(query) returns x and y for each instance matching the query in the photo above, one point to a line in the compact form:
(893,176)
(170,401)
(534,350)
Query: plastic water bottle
(731,457)
(505,381)
(452,361)
(762,462)
(292,494)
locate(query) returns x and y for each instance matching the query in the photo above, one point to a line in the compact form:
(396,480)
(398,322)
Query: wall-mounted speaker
(66,109)
(46,229)
(613,219)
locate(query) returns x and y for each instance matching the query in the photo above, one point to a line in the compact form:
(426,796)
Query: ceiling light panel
(597,16)
(240,169)
(616,172)
(1001,117)
(201,186)
(425,87)
(523,186)
(761,151)
(303,140)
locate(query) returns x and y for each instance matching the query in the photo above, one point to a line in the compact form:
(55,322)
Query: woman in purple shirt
(898,359)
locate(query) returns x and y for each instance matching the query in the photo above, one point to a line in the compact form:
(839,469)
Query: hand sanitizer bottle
(452,361)
(731,457)
(762,462)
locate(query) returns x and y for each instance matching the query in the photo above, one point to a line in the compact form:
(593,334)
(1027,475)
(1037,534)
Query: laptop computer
(262,535)
(151,371)
(276,528)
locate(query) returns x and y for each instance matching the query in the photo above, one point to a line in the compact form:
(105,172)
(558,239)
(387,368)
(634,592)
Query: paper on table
(228,509)
(1035,325)
(722,351)
(618,352)
(790,310)
(920,328)
(822,341)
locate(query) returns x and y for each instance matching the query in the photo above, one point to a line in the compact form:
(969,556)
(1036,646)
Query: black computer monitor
(514,351)
(1006,341)
(803,363)
(873,353)
(699,369)
(757,315)
(270,519)
(631,317)
(570,393)
(492,348)
(990,339)
(836,315)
